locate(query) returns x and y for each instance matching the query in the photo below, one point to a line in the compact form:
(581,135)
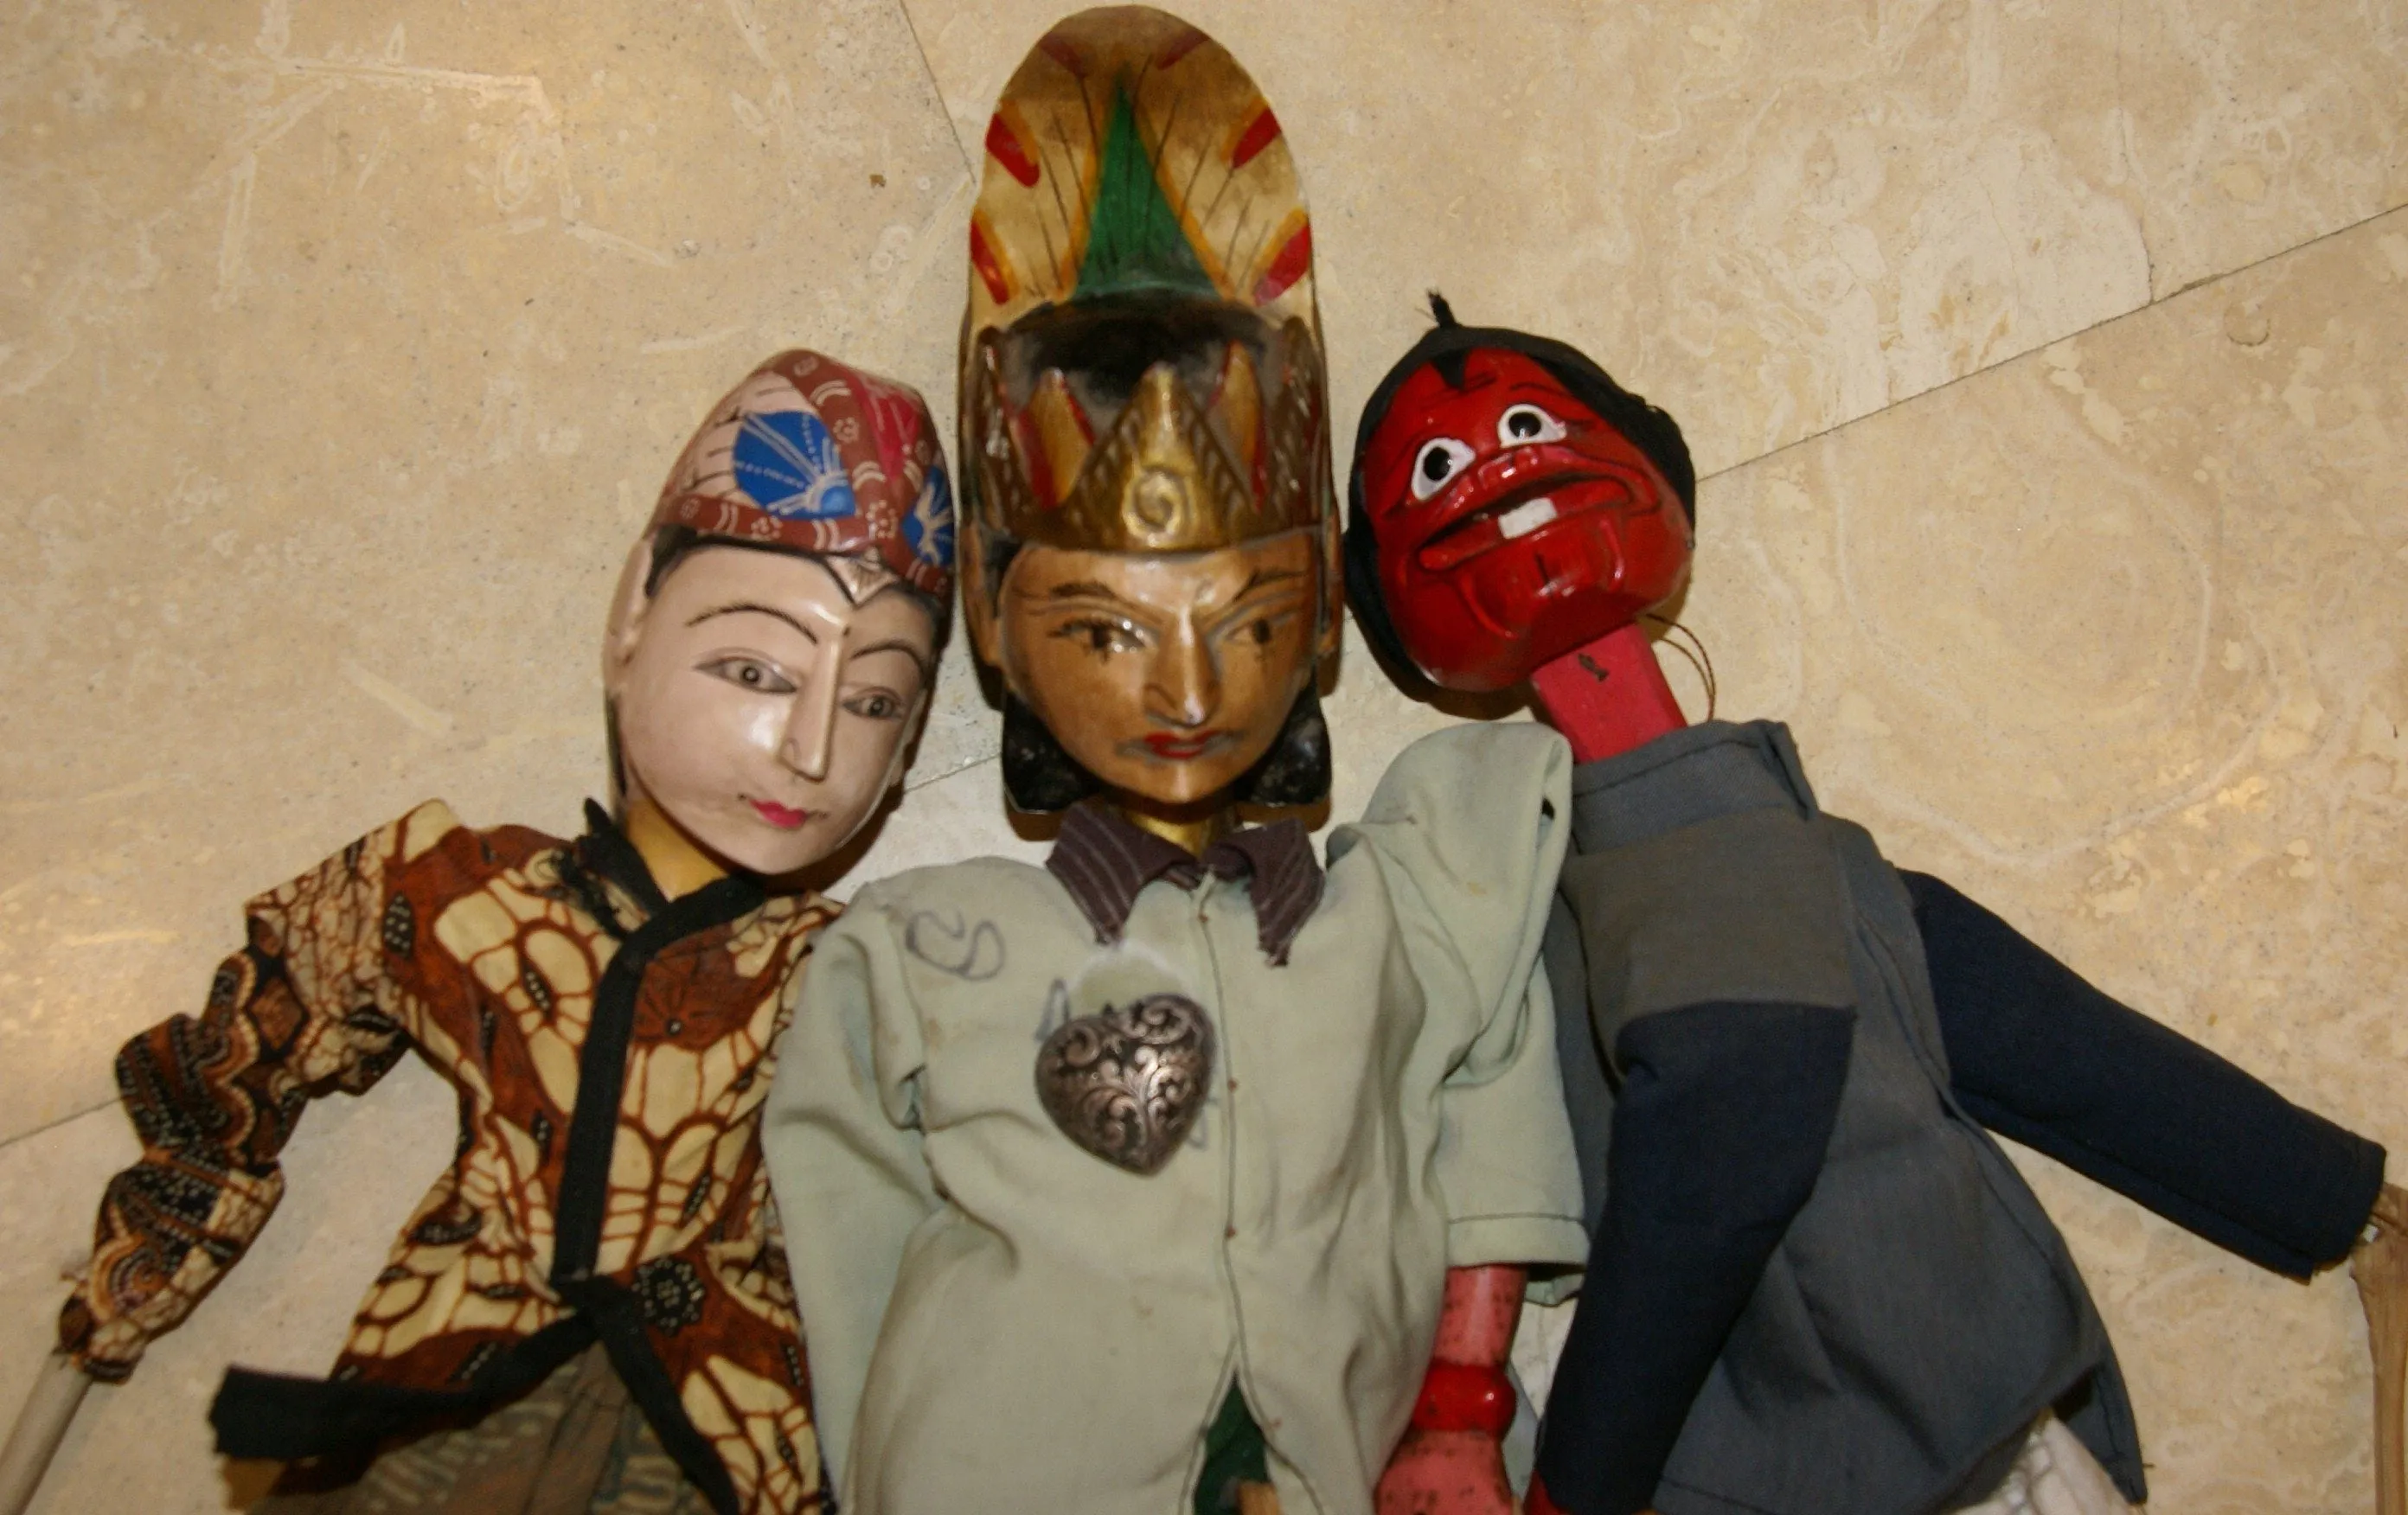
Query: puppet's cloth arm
(2036,1053)
(1719,1133)
(840,1133)
(304,1008)
(1713,959)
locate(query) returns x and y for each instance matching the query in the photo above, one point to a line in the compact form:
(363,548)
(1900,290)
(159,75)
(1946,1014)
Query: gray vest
(1922,1311)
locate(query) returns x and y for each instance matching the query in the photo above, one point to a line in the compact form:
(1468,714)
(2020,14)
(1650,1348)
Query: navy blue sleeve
(2038,1054)
(1720,1127)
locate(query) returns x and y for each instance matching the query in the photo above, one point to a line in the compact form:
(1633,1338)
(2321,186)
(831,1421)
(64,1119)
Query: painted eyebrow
(741,606)
(1262,577)
(1083,589)
(895,644)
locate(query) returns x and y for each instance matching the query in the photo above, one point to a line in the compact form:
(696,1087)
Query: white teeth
(1526,518)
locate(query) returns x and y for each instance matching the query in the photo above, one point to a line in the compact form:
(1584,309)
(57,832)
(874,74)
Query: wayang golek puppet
(1815,1283)
(590,1310)
(1149,1178)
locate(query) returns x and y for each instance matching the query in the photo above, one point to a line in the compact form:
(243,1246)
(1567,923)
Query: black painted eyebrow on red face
(1532,386)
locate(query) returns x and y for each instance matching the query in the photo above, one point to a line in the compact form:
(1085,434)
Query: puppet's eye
(750,673)
(1528,424)
(1439,460)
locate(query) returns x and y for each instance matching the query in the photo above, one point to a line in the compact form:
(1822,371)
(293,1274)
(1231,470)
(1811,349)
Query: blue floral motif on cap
(787,460)
(929,527)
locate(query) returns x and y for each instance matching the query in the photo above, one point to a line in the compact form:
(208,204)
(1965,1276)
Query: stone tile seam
(52,1124)
(2202,282)
(2185,291)
(2148,253)
(937,91)
(2207,281)
(919,782)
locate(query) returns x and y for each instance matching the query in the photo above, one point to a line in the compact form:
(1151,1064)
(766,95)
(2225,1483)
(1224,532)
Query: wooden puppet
(1816,1282)
(590,1310)
(1147,1180)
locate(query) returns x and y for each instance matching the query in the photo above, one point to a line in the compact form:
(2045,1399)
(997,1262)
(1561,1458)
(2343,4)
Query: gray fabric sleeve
(1745,908)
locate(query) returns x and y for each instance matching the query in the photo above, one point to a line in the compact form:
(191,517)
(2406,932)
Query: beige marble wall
(2110,638)
(2048,360)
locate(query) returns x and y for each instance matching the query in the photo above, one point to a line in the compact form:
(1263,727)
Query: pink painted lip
(1177,748)
(785,818)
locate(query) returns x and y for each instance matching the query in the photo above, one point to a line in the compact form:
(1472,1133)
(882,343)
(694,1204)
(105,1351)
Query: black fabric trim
(277,1415)
(602,1064)
(605,850)
(618,1319)
(585,1167)
(2036,1053)
(287,1417)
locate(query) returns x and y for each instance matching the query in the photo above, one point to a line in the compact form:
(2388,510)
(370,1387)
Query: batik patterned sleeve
(303,1009)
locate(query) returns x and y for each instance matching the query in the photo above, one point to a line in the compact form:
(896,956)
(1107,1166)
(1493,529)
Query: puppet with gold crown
(1188,1171)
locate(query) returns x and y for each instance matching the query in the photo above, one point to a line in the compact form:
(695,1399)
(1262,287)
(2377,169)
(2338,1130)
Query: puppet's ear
(628,603)
(981,590)
(1333,585)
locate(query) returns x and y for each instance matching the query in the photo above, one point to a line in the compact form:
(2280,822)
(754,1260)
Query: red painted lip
(1476,528)
(1172,748)
(785,818)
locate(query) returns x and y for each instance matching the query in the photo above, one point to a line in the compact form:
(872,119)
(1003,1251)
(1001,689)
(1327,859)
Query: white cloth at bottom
(2053,1475)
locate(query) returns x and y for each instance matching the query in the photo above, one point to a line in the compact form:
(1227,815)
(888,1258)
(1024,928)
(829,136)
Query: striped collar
(1104,859)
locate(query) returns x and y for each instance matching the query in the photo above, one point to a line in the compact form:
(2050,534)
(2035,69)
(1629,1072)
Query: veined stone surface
(2109,636)
(1773,218)
(343,348)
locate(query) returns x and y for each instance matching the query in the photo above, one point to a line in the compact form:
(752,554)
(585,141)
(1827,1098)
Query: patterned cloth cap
(812,454)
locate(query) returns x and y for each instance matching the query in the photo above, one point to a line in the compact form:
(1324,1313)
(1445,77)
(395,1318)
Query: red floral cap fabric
(813,454)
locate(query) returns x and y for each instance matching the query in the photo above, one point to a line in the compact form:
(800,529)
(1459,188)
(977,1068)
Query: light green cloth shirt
(1057,1331)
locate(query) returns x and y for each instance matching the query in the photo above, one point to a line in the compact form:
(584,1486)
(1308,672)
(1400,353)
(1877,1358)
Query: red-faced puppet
(1515,513)
(1511,504)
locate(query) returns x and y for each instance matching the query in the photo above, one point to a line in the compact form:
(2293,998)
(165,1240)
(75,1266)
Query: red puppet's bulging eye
(1523,423)
(1436,464)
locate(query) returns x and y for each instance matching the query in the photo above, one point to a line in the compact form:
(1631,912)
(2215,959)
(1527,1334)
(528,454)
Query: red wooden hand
(1444,1466)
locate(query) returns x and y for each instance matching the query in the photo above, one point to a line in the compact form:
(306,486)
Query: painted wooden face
(1166,675)
(764,699)
(1515,525)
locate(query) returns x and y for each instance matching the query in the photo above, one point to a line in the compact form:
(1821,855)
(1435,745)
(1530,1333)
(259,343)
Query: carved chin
(1173,780)
(760,848)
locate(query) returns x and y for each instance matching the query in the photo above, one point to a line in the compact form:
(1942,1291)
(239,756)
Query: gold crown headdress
(1141,361)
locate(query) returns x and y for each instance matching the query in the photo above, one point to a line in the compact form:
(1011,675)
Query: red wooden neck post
(1608,696)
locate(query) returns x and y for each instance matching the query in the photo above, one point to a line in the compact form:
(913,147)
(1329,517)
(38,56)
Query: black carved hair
(1446,347)
(1040,776)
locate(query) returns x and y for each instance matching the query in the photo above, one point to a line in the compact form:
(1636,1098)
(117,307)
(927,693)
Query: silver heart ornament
(1127,1084)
